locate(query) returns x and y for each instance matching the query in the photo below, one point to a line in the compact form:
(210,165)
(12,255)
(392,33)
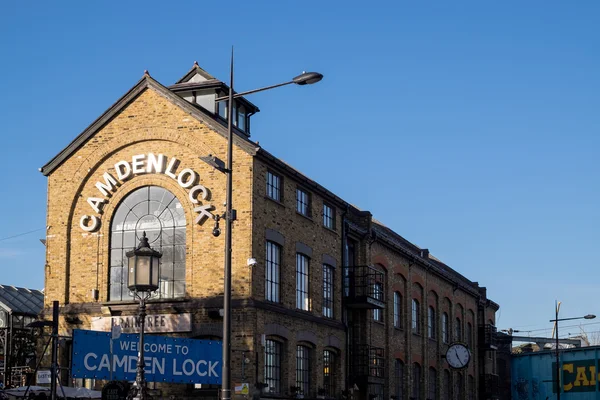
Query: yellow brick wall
(150,123)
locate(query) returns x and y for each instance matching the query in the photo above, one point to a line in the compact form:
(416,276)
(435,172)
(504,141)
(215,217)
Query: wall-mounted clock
(458,355)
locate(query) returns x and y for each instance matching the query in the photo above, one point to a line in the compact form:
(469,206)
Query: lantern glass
(142,273)
(131,275)
(154,272)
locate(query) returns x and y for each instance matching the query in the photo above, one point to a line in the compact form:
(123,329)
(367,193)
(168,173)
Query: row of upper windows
(449,389)
(304,376)
(303,272)
(432,321)
(303,200)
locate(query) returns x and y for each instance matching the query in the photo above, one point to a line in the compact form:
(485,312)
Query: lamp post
(306,78)
(143,280)
(557,367)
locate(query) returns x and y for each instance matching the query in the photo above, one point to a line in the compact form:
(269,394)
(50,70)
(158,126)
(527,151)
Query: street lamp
(557,367)
(143,280)
(306,78)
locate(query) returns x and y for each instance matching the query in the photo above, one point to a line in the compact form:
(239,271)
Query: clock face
(458,355)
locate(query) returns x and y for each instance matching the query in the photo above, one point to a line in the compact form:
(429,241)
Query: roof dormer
(201,88)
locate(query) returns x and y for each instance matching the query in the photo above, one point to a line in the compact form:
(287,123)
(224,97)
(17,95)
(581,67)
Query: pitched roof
(21,300)
(146,82)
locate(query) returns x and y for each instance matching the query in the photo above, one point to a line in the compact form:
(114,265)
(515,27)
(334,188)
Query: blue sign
(167,359)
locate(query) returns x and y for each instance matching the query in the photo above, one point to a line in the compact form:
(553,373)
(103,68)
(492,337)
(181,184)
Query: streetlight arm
(237,95)
(568,319)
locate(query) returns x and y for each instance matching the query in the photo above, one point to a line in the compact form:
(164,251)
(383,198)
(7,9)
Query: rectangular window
(329,373)
(431,323)
(378,294)
(432,388)
(303,370)
(328,216)
(399,376)
(458,330)
(447,385)
(273,186)
(416,317)
(397,310)
(327,291)
(302,299)
(222,109)
(445,328)
(302,202)
(469,335)
(273,366)
(416,392)
(241,118)
(272,271)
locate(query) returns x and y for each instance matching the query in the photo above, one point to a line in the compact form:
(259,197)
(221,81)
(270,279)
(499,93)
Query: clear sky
(471,128)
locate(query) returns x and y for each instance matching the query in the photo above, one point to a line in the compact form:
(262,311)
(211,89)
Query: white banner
(155,323)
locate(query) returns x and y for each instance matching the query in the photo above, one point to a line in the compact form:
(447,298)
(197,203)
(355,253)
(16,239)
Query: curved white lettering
(93,227)
(186,183)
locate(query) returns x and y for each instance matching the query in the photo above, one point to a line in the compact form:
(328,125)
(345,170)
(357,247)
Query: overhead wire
(21,234)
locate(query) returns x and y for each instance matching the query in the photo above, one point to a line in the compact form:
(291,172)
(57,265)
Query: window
(471,386)
(273,366)
(469,335)
(303,370)
(378,294)
(397,310)
(222,109)
(399,379)
(416,389)
(459,391)
(458,330)
(241,118)
(416,318)
(159,213)
(329,373)
(328,216)
(302,202)
(447,385)
(327,291)
(272,270)
(431,323)
(432,384)
(273,186)
(302,299)
(445,331)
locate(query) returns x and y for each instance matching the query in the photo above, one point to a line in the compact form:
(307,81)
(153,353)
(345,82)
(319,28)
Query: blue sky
(471,128)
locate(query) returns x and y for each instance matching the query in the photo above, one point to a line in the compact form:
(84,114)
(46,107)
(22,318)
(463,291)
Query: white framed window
(445,328)
(328,216)
(273,366)
(397,310)
(302,275)
(272,271)
(273,186)
(431,323)
(327,291)
(378,293)
(302,202)
(416,317)
(303,370)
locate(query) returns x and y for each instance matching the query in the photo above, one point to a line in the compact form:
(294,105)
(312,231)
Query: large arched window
(157,212)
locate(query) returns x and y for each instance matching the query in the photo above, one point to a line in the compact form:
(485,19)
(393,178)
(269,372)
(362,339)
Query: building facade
(327,301)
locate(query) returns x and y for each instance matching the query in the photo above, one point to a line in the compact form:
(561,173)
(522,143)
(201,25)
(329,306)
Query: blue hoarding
(167,359)
(533,375)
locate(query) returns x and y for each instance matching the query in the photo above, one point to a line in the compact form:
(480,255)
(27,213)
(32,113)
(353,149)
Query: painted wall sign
(147,164)
(533,375)
(167,359)
(155,323)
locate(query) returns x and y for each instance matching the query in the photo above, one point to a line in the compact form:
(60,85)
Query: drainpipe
(344,309)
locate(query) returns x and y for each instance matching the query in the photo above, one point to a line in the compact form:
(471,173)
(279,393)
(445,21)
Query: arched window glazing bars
(159,213)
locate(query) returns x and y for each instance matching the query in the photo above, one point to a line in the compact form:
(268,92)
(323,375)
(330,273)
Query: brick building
(337,304)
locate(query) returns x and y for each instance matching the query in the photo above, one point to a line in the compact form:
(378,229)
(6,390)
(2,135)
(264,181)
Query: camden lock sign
(147,164)
(155,323)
